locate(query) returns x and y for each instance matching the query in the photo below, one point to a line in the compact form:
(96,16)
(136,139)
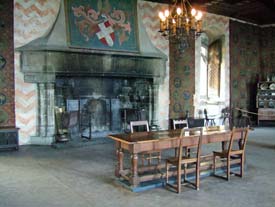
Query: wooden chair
(139,124)
(226,115)
(149,155)
(231,153)
(180,161)
(194,122)
(180,123)
(244,119)
(208,120)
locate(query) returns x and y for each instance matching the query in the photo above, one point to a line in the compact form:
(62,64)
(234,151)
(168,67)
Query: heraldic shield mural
(102,24)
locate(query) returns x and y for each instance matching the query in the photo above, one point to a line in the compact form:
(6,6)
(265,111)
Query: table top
(138,137)
(8,128)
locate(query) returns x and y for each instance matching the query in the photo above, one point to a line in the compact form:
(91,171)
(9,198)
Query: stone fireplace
(105,104)
(110,88)
(106,90)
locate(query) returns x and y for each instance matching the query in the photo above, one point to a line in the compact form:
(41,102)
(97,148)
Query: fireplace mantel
(44,65)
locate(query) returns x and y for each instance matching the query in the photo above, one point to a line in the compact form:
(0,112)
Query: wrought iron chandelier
(180,21)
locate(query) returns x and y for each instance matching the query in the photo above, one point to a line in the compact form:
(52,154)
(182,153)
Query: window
(213,72)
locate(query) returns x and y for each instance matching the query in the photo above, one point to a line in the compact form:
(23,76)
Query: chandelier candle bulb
(193,12)
(162,20)
(174,27)
(179,11)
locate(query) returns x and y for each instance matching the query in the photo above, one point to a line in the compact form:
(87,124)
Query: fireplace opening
(97,106)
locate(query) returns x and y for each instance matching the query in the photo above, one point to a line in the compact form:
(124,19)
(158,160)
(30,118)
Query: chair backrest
(192,131)
(179,122)
(134,124)
(225,112)
(205,114)
(242,140)
(192,122)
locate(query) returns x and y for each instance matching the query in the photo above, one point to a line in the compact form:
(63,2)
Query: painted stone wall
(182,80)
(150,20)
(244,65)
(7,113)
(32,19)
(267,52)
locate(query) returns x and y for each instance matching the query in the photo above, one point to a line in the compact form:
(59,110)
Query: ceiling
(261,12)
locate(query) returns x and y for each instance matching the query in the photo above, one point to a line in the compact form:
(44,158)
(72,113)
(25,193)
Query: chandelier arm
(188,3)
(185,9)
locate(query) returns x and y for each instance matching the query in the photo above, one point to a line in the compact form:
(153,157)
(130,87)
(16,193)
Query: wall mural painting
(186,70)
(102,24)
(3,116)
(177,82)
(176,95)
(2,80)
(186,95)
(177,108)
(182,67)
(2,62)
(3,99)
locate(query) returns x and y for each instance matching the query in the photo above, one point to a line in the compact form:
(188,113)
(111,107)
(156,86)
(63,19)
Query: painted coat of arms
(102,24)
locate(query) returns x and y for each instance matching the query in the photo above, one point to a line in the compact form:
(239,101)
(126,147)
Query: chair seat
(224,153)
(184,160)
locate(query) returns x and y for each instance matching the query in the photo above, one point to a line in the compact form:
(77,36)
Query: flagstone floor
(83,176)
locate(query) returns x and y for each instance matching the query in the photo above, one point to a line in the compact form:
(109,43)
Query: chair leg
(185,175)
(198,176)
(167,173)
(242,166)
(176,152)
(214,164)
(228,168)
(179,180)
(159,157)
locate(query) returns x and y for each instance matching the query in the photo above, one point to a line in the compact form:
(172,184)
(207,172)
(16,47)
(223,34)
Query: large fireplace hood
(46,57)
(45,65)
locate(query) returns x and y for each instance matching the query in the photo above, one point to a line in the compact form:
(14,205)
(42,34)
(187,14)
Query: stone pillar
(45,121)
(154,104)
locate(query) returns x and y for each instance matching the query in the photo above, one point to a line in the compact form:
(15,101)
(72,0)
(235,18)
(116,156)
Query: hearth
(103,105)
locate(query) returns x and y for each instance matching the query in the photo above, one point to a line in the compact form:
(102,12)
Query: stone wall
(32,19)
(7,113)
(267,52)
(182,80)
(244,65)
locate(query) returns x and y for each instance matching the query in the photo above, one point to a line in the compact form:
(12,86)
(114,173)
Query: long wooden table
(138,142)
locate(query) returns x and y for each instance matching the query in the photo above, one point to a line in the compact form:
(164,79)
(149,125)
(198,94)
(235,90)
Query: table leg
(134,178)
(120,155)
(224,143)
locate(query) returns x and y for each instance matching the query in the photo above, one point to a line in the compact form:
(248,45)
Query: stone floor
(39,176)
